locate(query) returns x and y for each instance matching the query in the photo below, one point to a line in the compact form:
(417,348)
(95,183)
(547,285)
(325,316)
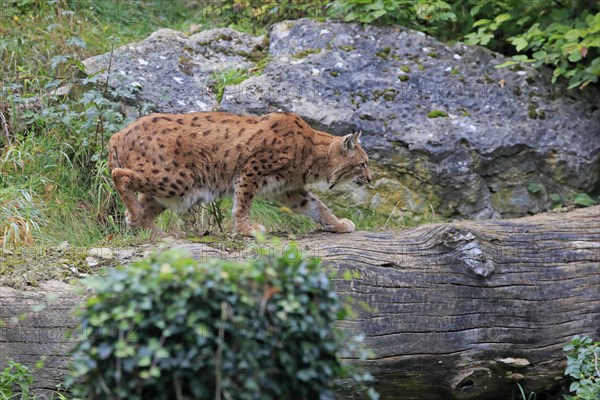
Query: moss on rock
(306,53)
(436,114)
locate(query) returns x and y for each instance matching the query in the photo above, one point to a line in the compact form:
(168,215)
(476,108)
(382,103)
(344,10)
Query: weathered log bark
(461,310)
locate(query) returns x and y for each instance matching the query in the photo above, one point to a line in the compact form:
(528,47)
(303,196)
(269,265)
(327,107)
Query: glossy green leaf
(535,187)
(584,199)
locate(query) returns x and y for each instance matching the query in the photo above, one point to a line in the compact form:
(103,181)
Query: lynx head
(349,161)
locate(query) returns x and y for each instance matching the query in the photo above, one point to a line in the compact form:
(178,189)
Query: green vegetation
(556,200)
(20,217)
(580,199)
(215,218)
(519,393)
(403,77)
(535,187)
(54,184)
(562,35)
(534,112)
(437,114)
(15,376)
(411,13)
(16,380)
(306,53)
(253,16)
(369,219)
(387,94)
(584,200)
(220,80)
(583,368)
(170,326)
(385,53)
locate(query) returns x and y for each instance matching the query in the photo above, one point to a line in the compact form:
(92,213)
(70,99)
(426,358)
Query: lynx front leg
(127,183)
(242,200)
(306,203)
(141,210)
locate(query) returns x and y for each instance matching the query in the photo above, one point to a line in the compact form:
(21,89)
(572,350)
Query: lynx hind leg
(151,209)
(242,200)
(306,203)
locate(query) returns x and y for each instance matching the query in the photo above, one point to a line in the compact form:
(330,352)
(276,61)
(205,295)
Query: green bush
(568,43)
(258,15)
(423,15)
(583,367)
(170,328)
(562,35)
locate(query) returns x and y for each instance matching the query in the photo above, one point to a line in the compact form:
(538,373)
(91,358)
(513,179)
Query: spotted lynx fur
(176,160)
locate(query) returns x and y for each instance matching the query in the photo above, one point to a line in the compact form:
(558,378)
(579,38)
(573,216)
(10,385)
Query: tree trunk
(459,311)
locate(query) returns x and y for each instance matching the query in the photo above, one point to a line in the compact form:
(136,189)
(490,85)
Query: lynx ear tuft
(350,141)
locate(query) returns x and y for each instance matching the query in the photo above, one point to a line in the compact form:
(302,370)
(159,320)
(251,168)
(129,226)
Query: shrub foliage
(170,328)
(583,368)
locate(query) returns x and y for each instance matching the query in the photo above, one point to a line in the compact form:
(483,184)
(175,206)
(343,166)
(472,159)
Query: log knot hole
(472,384)
(467,252)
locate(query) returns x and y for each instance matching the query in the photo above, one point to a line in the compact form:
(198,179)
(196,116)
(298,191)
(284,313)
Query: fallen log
(461,310)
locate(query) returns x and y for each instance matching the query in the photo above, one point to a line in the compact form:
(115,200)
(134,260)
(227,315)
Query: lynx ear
(350,141)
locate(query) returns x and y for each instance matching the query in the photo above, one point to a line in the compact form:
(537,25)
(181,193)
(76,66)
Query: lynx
(176,160)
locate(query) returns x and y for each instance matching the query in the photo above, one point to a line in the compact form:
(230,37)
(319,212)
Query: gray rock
(92,262)
(505,128)
(102,252)
(124,255)
(63,247)
(172,71)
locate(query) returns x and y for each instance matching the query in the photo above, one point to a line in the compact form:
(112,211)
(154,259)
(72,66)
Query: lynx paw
(251,230)
(344,226)
(156,232)
(131,220)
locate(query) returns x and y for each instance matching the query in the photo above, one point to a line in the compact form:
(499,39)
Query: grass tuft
(226,78)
